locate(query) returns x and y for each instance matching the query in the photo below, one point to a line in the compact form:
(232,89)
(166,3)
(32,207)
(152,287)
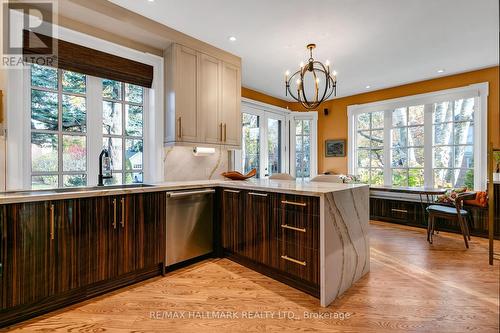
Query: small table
(421,191)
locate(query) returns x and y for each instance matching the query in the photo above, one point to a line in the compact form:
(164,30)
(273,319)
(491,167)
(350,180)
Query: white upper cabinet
(209,99)
(231,105)
(203,99)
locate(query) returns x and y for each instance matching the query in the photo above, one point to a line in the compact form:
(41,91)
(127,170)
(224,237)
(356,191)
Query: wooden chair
(451,213)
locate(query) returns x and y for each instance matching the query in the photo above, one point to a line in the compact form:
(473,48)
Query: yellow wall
(334,126)
(257,96)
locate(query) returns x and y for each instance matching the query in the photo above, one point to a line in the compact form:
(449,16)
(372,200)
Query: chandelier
(322,86)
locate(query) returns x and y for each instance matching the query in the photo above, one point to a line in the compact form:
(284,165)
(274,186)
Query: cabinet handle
(179,120)
(225,136)
(302,204)
(258,194)
(114,213)
(399,210)
(122,222)
(51,222)
(286,226)
(221,135)
(302,263)
(232,191)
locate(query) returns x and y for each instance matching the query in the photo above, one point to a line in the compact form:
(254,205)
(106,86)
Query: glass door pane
(303,149)
(274,146)
(251,143)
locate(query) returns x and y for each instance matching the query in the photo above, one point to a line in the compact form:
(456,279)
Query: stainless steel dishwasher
(189,224)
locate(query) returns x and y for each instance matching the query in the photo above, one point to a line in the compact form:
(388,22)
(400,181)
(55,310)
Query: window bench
(398,206)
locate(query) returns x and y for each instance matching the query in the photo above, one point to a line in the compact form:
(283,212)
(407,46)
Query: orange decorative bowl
(235,175)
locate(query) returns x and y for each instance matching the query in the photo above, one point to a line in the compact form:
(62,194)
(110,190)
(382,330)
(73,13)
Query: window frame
(59,132)
(18,157)
(264,112)
(479,91)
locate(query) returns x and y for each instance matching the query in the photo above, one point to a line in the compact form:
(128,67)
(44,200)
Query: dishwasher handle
(188,193)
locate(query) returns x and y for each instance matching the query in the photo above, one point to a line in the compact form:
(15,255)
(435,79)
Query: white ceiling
(381,43)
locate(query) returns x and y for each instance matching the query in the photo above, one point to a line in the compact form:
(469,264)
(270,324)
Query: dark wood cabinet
(259,242)
(25,258)
(411,213)
(56,253)
(265,231)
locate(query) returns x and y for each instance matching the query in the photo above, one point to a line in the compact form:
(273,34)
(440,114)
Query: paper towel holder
(203,151)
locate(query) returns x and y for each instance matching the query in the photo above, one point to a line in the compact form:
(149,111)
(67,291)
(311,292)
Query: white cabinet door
(231,101)
(186,94)
(209,85)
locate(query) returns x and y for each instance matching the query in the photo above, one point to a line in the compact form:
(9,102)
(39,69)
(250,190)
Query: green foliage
(469,179)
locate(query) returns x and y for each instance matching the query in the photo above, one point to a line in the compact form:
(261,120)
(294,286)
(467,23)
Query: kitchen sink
(77,189)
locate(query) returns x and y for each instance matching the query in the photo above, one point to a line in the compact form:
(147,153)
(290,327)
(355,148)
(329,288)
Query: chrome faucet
(104,154)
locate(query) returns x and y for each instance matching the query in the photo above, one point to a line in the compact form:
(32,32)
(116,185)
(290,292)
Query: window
(60,132)
(453,143)
(263,144)
(122,128)
(426,140)
(407,146)
(303,148)
(370,138)
(58,128)
(251,143)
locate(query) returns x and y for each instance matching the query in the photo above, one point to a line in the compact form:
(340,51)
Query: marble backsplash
(181,165)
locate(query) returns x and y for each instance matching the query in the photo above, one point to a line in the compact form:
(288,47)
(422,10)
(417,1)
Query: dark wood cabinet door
(259,234)
(150,225)
(65,253)
(128,223)
(232,221)
(26,246)
(104,226)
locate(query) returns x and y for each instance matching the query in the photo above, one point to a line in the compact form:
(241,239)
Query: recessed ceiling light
(368,87)
(440,71)
(151,0)
(232,38)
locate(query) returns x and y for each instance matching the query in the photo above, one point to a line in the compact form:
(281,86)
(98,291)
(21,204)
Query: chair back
(281,176)
(328,179)
(459,200)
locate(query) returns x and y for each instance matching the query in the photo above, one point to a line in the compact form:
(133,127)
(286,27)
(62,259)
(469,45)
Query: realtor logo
(28,33)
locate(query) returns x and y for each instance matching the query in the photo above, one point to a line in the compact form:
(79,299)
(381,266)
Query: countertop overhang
(278,186)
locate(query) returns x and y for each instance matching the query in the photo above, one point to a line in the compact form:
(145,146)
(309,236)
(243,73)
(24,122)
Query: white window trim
(479,91)
(311,115)
(288,136)
(18,129)
(265,111)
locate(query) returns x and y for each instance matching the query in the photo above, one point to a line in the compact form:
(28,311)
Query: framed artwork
(335,148)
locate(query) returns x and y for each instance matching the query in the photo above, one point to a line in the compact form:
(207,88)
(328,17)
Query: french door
(303,145)
(263,142)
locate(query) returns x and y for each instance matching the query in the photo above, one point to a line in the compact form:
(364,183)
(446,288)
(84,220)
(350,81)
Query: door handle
(52,227)
(285,202)
(257,194)
(179,120)
(122,222)
(286,226)
(232,191)
(185,194)
(302,263)
(114,213)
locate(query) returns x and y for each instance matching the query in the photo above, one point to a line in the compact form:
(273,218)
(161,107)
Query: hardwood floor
(412,286)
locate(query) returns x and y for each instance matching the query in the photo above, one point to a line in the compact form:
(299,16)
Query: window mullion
(94,127)
(428,147)
(387,148)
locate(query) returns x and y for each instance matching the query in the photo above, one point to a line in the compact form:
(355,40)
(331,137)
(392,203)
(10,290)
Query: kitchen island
(63,246)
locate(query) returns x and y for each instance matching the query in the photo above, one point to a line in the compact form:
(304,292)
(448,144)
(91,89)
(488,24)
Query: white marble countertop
(279,186)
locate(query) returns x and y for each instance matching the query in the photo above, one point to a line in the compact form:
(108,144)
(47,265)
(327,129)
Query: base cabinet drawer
(301,262)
